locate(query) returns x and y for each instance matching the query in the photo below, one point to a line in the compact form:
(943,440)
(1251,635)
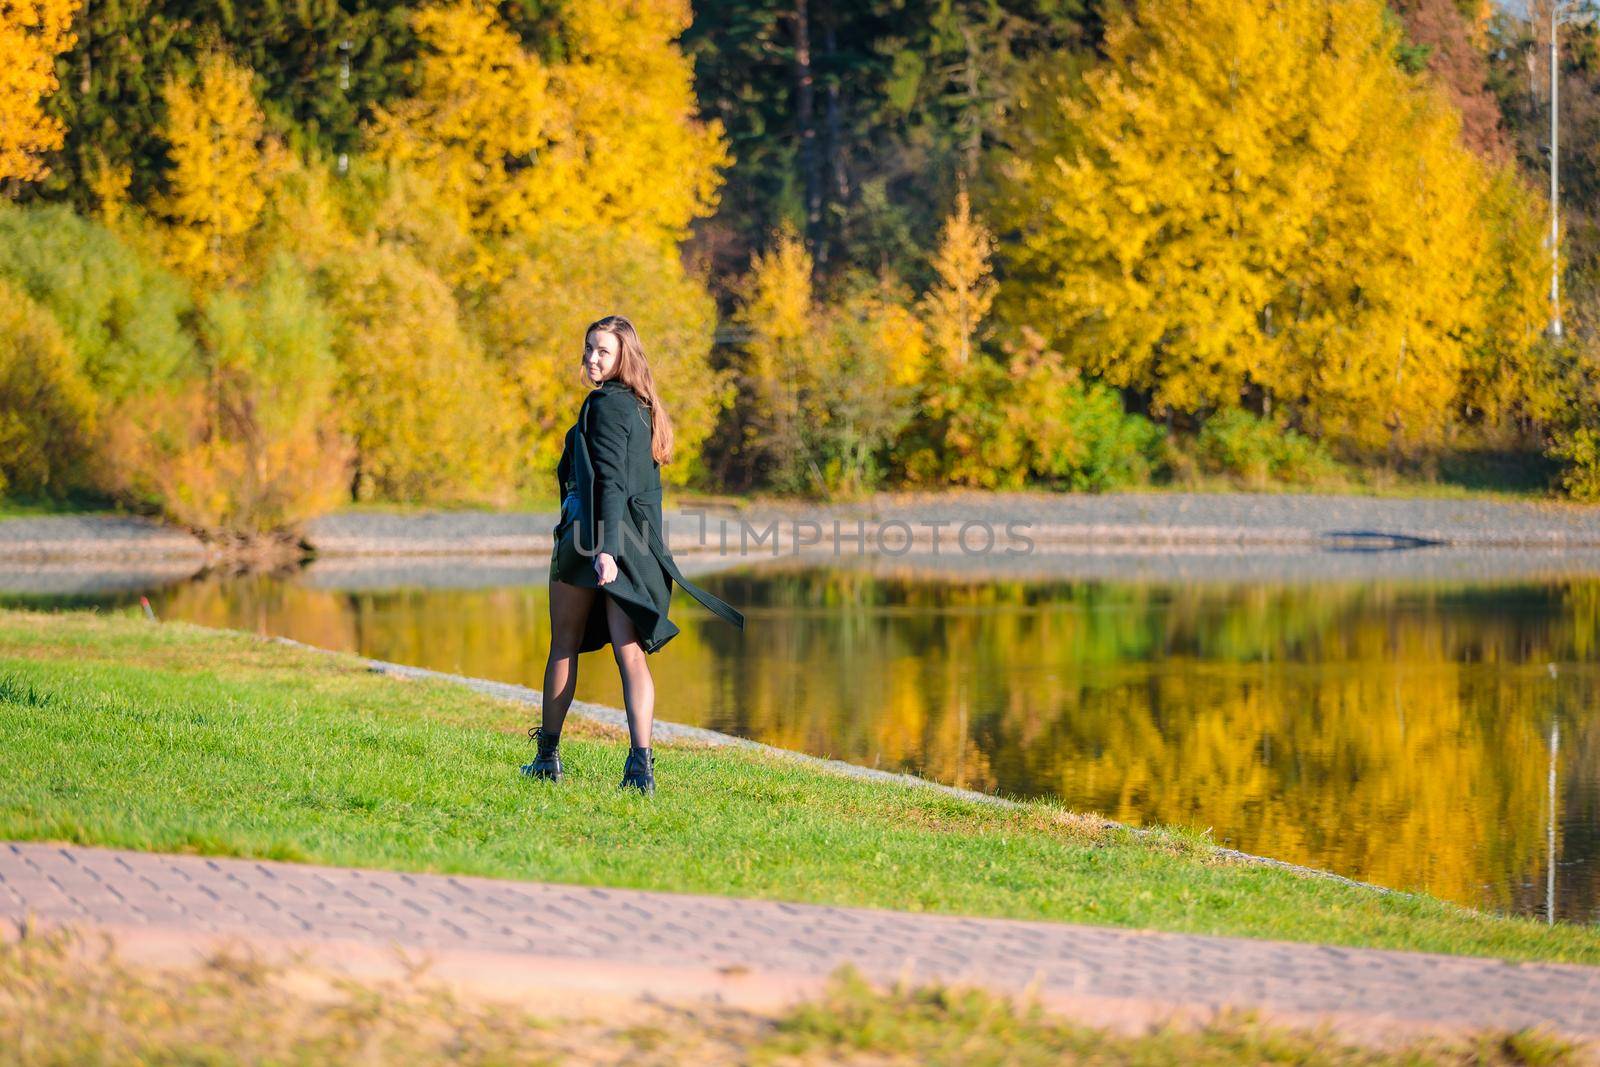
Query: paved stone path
(526,935)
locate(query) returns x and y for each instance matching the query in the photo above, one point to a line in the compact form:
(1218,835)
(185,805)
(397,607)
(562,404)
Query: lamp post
(1555,171)
(1557,13)
(1550,804)
(344,85)
(1550,827)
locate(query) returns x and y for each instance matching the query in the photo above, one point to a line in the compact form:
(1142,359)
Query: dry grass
(66,998)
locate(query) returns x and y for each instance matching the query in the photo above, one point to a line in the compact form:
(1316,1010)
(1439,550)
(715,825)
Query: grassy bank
(173,737)
(69,1002)
(20,508)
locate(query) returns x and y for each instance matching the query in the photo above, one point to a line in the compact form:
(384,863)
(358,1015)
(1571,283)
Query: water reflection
(1398,730)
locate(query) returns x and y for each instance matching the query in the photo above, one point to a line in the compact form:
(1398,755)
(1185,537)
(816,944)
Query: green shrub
(251,447)
(1072,431)
(1257,450)
(433,420)
(1580,449)
(122,312)
(963,430)
(1115,448)
(997,426)
(47,410)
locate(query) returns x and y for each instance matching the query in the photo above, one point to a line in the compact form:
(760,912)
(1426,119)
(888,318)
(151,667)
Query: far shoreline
(957,521)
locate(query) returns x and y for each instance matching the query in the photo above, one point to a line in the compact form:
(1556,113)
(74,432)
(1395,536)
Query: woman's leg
(638,688)
(569,613)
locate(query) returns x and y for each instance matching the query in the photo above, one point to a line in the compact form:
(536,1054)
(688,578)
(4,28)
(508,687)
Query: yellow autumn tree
(995,419)
(606,137)
(431,418)
(957,304)
(960,433)
(32,34)
(109,183)
(862,382)
(1386,309)
(1515,382)
(224,162)
(778,317)
(481,116)
(533,323)
(897,331)
(1252,199)
(828,384)
(406,208)
(629,149)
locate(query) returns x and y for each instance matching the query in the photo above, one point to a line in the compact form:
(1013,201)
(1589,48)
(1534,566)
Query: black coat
(607,454)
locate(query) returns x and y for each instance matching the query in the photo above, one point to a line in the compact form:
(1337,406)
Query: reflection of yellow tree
(1578,803)
(261,604)
(1583,601)
(1381,769)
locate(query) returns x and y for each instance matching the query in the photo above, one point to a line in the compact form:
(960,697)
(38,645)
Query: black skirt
(569,565)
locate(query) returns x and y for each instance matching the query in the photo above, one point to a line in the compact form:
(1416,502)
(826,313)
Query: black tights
(569,612)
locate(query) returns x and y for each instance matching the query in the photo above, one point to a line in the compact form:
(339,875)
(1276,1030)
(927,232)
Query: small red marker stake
(149,612)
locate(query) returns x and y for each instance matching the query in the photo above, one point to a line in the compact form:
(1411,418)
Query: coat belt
(710,601)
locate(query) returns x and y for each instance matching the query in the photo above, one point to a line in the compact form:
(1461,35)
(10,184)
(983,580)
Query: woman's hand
(605,568)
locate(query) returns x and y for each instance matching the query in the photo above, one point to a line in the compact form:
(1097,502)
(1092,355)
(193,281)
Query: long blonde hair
(635,374)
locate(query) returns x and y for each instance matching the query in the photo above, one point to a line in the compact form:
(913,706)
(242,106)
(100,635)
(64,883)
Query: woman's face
(601,351)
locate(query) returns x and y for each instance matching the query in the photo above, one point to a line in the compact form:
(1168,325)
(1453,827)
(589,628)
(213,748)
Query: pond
(1416,720)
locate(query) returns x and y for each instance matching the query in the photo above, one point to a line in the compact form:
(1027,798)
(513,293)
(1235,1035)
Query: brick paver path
(1096,972)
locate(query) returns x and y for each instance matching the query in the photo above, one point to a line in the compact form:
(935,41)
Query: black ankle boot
(639,772)
(547,764)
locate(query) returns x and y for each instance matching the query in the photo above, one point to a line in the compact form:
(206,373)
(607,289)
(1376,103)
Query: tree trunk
(85,28)
(838,174)
(805,119)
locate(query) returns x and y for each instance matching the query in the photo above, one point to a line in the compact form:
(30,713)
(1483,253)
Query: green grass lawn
(540,502)
(174,737)
(1371,484)
(28,508)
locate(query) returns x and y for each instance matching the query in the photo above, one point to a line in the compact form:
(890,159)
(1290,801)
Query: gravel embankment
(1013,518)
(1242,518)
(954,523)
(95,537)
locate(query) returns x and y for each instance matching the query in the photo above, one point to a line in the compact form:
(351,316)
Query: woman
(611,573)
